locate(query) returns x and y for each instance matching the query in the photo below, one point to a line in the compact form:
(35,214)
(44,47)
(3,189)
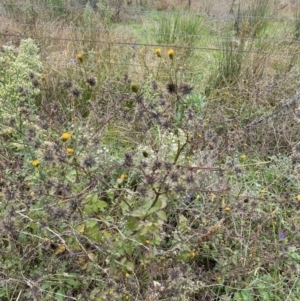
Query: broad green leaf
(106,234)
(295,256)
(162,215)
(128,248)
(138,212)
(80,228)
(98,205)
(72,282)
(60,294)
(130,266)
(45,286)
(163,203)
(154,209)
(33,225)
(94,235)
(182,219)
(144,231)
(91,223)
(264,295)
(243,295)
(102,204)
(132,223)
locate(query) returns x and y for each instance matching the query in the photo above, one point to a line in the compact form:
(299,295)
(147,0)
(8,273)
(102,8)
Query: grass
(148,157)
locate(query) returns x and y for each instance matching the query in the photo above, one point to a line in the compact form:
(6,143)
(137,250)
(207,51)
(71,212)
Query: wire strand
(216,37)
(150,45)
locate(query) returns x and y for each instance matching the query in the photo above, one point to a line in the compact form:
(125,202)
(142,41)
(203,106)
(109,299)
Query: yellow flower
(157,51)
(170,53)
(127,297)
(35,163)
(123,176)
(70,151)
(60,249)
(127,275)
(192,254)
(227,208)
(79,57)
(298,197)
(65,137)
(147,241)
(243,157)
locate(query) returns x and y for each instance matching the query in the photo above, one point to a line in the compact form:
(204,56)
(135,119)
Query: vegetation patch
(147,158)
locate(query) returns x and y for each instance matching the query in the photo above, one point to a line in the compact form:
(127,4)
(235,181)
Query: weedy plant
(116,186)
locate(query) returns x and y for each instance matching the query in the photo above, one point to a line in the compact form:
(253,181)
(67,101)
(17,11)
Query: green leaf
(33,226)
(98,205)
(163,203)
(138,212)
(295,256)
(102,204)
(46,286)
(128,248)
(243,296)
(91,223)
(71,176)
(60,295)
(133,223)
(94,235)
(144,231)
(162,215)
(72,282)
(264,295)
(130,266)
(154,209)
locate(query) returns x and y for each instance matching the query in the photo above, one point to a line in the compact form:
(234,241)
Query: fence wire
(177,34)
(219,39)
(152,45)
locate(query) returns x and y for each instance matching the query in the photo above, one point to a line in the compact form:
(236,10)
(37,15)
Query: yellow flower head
(147,241)
(123,176)
(79,57)
(157,51)
(298,197)
(127,275)
(170,53)
(35,163)
(70,151)
(192,254)
(65,137)
(243,157)
(227,208)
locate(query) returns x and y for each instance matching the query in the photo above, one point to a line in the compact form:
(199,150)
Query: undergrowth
(122,179)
